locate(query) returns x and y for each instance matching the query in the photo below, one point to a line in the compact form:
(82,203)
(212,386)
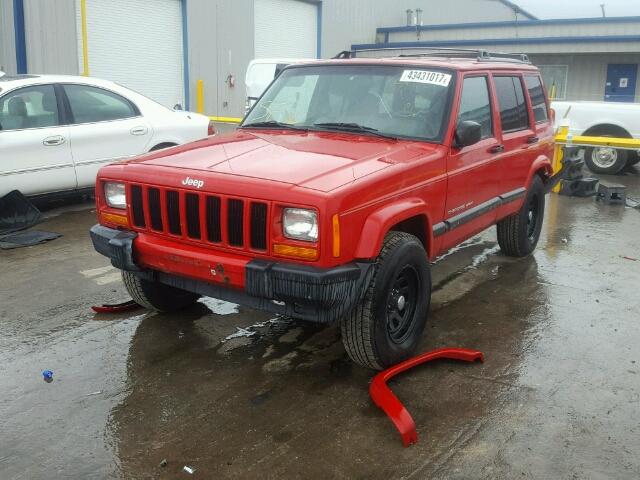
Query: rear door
(473,171)
(521,144)
(105,127)
(34,142)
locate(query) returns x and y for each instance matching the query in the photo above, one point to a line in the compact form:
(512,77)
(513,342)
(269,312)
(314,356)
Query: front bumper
(301,291)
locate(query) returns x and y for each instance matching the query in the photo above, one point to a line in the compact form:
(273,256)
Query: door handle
(533,139)
(138,130)
(497,149)
(53,141)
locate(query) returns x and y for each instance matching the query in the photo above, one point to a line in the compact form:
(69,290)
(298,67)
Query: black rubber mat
(26,239)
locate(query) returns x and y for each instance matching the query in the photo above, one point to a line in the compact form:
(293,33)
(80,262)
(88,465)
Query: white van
(261,72)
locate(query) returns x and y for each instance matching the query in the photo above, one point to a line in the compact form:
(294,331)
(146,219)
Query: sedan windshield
(381,100)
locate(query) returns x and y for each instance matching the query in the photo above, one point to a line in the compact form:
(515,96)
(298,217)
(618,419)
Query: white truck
(602,119)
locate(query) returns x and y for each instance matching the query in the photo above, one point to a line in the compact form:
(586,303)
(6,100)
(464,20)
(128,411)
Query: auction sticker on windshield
(425,76)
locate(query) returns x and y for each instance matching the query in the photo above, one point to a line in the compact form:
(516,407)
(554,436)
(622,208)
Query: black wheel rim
(401,304)
(533,212)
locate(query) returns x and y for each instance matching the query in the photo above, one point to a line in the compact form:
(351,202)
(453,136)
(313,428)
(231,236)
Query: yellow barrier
(563,138)
(226,119)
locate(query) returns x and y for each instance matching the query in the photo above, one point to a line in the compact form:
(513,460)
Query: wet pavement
(234,393)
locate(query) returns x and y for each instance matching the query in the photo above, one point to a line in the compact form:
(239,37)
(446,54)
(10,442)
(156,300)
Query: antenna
(604,15)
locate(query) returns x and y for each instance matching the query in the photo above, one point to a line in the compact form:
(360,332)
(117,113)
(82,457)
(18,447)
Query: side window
(513,109)
(29,107)
(475,104)
(91,104)
(536,94)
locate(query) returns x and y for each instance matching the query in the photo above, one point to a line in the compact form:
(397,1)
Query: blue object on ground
(47,375)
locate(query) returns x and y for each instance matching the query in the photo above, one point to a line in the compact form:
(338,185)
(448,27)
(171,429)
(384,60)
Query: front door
(473,171)
(35,152)
(621,82)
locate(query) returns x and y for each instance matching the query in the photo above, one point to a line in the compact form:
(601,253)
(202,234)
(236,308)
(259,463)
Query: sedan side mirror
(468,133)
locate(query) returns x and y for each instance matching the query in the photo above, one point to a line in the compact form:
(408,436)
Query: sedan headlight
(114,194)
(300,224)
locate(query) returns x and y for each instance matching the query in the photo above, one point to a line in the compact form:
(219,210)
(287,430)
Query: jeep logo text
(193,182)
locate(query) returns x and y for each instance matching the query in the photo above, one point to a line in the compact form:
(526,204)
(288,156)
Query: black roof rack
(479,54)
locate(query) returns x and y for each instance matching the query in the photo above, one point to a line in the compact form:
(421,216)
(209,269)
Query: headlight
(114,194)
(300,224)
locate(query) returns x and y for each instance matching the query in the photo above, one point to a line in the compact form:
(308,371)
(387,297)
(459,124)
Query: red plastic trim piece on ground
(384,398)
(116,307)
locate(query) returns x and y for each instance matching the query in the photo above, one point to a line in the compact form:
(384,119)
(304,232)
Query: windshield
(393,101)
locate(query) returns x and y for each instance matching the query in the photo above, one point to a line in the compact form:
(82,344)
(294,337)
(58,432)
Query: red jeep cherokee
(341,184)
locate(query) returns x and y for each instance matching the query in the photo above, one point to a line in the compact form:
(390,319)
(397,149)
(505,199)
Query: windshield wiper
(274,124)
(353,127)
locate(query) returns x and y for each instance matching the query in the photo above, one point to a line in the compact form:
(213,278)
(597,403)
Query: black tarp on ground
(17,213)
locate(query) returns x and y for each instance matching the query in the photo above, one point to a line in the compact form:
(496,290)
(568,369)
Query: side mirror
(177,106)
(468,133)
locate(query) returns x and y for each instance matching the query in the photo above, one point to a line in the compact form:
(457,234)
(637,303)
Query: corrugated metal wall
(587,74)
(220,44)
(7,38)
(51,36)
(355,21)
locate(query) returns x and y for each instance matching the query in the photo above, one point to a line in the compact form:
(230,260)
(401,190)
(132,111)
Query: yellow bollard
(200,96)
(563,131)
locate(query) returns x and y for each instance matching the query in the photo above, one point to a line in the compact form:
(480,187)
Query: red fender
(379,222)
(384,398)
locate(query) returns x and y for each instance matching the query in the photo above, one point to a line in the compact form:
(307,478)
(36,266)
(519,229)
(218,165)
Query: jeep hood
(317,160)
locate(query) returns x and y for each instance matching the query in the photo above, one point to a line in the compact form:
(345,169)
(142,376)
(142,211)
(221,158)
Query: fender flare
(380,222)
(384,398)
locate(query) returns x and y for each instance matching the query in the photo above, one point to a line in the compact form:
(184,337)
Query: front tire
(386,327)
(157,296)
(518,234)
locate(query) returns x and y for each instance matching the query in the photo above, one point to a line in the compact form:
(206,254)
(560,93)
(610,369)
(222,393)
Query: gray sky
(579,8)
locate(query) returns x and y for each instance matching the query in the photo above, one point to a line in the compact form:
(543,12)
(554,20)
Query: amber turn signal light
(114,219)
(295,252)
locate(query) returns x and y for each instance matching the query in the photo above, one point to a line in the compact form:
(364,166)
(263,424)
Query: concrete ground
(558,396)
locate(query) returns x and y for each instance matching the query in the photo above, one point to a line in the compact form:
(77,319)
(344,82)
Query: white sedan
(57,131)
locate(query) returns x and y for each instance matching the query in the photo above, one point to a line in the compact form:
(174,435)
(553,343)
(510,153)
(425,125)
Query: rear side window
(475,105)
(91,104)
(536,94)
(513,109)
(29,107)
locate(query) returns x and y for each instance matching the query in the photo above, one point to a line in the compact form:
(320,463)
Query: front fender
(380,222)
(540,164)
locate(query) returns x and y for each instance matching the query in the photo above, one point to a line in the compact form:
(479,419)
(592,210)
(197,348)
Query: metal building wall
(534,30)
(220,44)
(50,29)
(587,73)
(355,21)
(7,38)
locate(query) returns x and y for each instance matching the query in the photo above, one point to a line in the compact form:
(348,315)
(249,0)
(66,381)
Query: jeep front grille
(210,219)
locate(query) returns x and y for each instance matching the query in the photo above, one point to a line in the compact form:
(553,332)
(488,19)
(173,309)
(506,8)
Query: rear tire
(518,234)
(386,327)
(157,296)
(605,160)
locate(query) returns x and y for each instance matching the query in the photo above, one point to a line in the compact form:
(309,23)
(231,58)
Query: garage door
(285,28)
(137,43)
